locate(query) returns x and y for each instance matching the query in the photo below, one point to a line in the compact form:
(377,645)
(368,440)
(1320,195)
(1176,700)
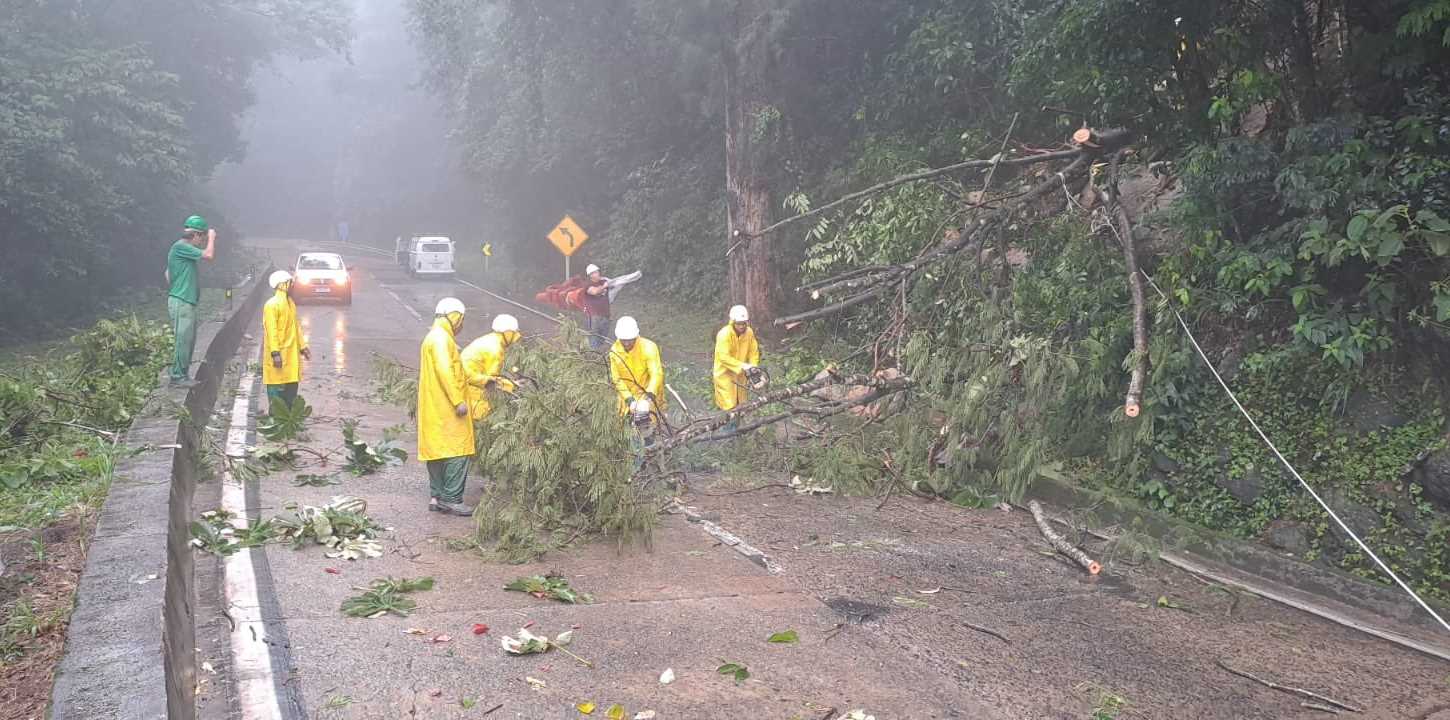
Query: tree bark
(1060,543)
(1133,400)
(748,196)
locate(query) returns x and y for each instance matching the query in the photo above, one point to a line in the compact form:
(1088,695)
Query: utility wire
(1333,515)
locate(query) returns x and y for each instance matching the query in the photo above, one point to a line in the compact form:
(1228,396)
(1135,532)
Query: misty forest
(1060,358)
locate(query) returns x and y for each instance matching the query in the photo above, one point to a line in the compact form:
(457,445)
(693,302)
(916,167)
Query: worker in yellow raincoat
(736,354)
(445,428)
(483,361)
(282,345)
(635,370)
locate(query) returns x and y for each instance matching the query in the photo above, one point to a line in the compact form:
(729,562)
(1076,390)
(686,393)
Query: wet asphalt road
(852,587)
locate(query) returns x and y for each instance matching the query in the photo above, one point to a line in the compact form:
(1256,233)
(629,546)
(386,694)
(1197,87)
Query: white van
(430,255)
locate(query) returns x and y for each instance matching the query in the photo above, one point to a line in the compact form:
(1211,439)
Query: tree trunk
(748,197)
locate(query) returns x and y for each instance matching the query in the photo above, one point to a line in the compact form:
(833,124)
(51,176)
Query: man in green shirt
(185,291)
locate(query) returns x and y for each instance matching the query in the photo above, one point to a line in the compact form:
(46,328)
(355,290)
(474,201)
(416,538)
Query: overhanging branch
(1102,142)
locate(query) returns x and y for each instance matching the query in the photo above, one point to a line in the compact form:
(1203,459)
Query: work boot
(457,508)
(186,383)
(433,505)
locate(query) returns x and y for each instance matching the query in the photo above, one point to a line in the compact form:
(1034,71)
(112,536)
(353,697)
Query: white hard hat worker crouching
(626,329)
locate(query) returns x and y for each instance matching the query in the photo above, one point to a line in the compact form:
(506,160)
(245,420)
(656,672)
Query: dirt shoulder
(37,592)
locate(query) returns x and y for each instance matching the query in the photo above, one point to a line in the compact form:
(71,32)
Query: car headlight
(342,280)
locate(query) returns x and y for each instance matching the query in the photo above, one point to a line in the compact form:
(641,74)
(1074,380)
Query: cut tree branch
(703,428)
(1288,689)
(1132,402)
(1060,543)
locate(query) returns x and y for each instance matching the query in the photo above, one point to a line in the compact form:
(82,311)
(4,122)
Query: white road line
(406,306)
(251,660)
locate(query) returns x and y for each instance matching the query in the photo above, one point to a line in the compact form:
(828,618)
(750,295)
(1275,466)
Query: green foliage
(216,533)
(1356,249)
(550,587)
(1209,446)
(286,421)
(59,415)
(384,596)
(395,383)
(342,526)
(559,457)
(365,459)
(737,671)
(786,637)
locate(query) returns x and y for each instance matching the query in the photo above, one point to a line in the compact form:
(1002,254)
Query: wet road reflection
(339,342)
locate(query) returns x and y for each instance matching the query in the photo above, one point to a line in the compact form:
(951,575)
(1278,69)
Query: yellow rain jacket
(731,352)
(442,385)
(636,372)
(483,361)
(281,334)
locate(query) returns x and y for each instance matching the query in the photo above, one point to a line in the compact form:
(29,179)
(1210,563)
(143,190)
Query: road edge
(130,651)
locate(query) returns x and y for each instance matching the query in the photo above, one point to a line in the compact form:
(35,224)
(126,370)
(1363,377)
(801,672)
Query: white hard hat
(626,328)
(279,277)
(505,323)
(448,306)
(591,269)
(739,314)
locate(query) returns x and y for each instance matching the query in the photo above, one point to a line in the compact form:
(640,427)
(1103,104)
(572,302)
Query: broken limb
(1132,401)
(1107,140)
(1059,543)
(988,631)
(878,282)
(699,429)
(1289,689)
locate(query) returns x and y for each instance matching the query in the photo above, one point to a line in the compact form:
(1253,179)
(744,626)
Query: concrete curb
(1379,610)
(130,651)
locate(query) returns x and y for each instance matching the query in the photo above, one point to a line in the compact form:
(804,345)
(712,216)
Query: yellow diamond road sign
(567,236)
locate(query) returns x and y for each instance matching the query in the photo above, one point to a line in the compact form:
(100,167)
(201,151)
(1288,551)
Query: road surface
(883,600)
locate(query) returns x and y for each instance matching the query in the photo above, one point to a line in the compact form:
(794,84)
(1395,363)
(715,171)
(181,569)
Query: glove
(276,359)
(746,367)
(461,410)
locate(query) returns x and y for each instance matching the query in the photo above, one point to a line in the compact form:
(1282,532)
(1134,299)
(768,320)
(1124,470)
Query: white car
(321,275)
(430,255)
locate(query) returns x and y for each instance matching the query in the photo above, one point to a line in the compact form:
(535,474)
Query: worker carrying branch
(445,425)
(737,360)
(282,344)
(590,293)
(483,362)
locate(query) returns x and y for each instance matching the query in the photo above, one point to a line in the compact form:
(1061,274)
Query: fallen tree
(865,284)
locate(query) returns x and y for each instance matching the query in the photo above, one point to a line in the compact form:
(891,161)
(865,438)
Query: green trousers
(446,478)
(284,393)
(183,321)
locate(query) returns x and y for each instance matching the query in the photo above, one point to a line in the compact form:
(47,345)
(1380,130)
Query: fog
(348,138)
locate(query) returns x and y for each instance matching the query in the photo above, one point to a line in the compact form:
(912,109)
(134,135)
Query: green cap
(196,222)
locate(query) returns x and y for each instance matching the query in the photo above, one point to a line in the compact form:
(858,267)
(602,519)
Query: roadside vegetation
(62,414)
